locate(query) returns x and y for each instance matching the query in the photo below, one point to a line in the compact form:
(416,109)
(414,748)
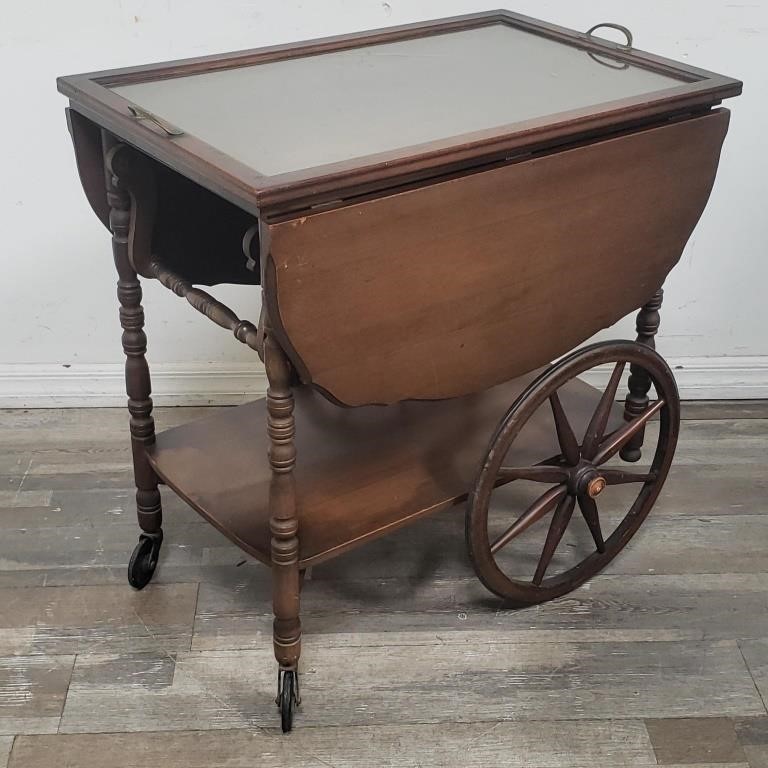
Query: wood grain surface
(429,287)
(231,689)
(5,750)
(538,745)
(688,740)
(407,660)
(63,620)
(360,473)
(207,165)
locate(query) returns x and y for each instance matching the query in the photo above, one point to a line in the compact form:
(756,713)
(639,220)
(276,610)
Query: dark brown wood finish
(283,516)
(137,380)
(490,275)
(90,95)
(190,231)
(360,473)
(433,278)
(574,475)
(89,155)
(648,321)
(243,330)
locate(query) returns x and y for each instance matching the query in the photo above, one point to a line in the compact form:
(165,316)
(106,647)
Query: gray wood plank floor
(661,660)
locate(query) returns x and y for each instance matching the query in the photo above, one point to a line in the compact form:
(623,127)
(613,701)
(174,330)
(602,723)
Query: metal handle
(142,114)
(618,27)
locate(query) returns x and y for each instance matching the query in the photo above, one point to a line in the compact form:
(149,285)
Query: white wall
(59,337)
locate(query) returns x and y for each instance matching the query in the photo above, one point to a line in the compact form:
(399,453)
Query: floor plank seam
(496,642)
(66,696)
(10,751)
(492,725)
(662,625)
(175,663)
(194,619)
(23,478)
(752,677)
(160,647)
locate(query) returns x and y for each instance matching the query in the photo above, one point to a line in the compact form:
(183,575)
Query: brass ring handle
(619,27)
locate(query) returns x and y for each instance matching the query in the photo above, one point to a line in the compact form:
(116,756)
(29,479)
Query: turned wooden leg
(137,381)
(284,526)
(648,320)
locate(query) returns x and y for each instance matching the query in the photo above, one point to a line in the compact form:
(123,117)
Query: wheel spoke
(565,436)
(539,474)
(596,429)
(588,509)
(552,461)
(535,512)
(620,477)
(616,440)
(557,527)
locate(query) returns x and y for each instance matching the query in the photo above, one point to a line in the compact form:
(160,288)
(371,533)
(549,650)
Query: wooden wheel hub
(596,486)
(585,480)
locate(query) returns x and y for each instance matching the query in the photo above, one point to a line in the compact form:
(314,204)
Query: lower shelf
(360,472)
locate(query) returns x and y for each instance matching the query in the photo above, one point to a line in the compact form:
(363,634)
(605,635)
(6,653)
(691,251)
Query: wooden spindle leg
(137,382)
(648,320)
(283,523)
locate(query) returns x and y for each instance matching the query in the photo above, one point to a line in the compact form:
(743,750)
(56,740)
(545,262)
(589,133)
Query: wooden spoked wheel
(576,477)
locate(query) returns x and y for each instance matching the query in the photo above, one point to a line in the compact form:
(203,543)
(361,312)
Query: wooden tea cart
(434,214)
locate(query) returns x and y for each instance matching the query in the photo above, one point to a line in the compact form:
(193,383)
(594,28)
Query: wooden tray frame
(90,94)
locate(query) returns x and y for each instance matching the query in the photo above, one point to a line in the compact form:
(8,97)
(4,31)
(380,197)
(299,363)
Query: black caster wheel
(143,561)
(287,697)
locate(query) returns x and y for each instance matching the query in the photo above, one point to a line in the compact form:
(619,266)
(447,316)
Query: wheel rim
(139,568)
(144,558)
(287,698)
(573,481)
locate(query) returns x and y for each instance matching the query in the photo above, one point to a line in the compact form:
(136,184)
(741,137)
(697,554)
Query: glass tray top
(301,113)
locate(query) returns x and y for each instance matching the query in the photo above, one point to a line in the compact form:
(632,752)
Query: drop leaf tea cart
(434,214)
